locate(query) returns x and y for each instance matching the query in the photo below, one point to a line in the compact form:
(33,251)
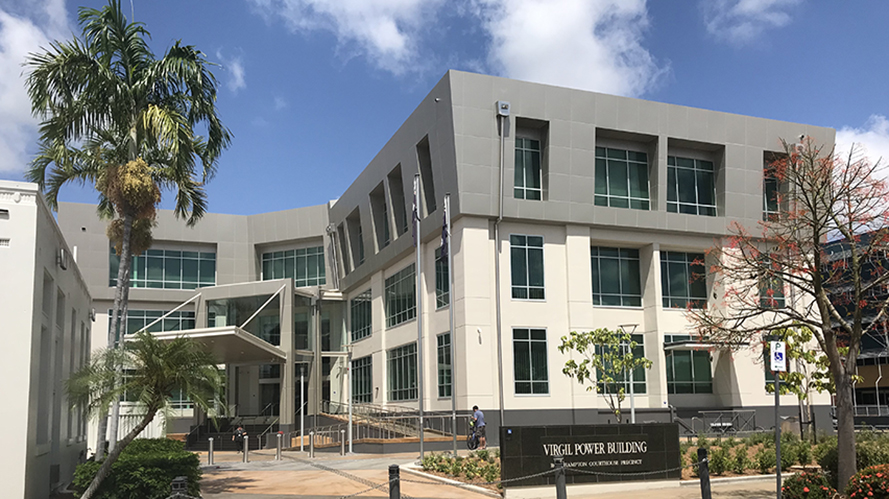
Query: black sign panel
(594,453)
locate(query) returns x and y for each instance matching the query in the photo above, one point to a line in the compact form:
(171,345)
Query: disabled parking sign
(779,356)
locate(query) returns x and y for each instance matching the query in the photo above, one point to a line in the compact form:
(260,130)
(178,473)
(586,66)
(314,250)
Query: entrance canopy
(231,345)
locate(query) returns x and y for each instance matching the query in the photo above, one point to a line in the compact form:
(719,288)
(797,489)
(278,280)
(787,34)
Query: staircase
(198,438)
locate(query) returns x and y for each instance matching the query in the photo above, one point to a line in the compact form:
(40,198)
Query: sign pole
(778,364)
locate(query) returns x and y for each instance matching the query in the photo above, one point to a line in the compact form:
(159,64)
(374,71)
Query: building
(608,206)
(47,316)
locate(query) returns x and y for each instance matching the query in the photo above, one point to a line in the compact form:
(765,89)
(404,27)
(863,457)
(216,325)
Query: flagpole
(447,215)
(419,273)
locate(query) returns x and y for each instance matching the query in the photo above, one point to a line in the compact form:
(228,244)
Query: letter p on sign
(779,356)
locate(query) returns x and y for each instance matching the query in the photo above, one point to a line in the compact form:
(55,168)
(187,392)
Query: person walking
(479,418)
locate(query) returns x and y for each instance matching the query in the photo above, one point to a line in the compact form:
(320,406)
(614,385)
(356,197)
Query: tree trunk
(845,430)
(118,315)
(105,469)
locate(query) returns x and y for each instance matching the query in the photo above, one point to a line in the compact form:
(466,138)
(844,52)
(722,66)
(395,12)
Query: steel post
(280,446)
(342,442)
(210,453)
(561,487)
(312,444)
(394,482)
(246,448)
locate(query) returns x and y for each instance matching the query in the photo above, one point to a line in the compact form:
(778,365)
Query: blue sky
(312,89)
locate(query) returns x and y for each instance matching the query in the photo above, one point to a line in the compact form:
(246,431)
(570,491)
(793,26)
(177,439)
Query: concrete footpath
(331,476)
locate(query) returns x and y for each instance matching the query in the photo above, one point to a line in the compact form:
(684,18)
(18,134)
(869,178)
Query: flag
(445,237)
(415,210)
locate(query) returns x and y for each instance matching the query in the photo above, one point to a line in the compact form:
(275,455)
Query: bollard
(561,488)
(210,453)
(342,442)
(394,482)
(246,448)
(704,473)
(280,446)
(179,485)
(312,444)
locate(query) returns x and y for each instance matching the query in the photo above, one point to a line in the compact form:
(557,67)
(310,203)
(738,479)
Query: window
(527,169)
(362,380)
(621,179)
(444,364)
(529,359)
(47,295)
(769,195)
(616,278)
(690,186)
(526,258)
(424,160)
(401,297)
(396,198)
(683,280)
(688,371)
(305,266)
(138,319)
(270,371)
(44,386)
(403,372)
(167,269)
(771,291)
(360,308)
(442,282)
(622,380)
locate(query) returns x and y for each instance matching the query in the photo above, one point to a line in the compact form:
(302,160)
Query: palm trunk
(118,315)
(845,429)
(105,469)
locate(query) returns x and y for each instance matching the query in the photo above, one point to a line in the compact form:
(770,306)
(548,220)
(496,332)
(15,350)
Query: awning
(688,345)
(230,345)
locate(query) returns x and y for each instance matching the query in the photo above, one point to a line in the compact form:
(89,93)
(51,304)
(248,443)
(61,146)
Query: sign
(779,356)
(590,449)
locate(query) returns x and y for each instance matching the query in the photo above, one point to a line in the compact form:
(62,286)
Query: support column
(286,413)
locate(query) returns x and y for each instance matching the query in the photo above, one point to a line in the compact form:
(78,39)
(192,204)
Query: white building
(46,311)
(607,204)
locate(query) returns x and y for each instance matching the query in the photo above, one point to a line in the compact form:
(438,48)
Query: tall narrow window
(683,279)
(771,285)
(403,372)
(305,266)
(769,195)
(528,184)
(361,316)
(401,296)
(444,364)
(442,294)
(526,260)
(622,380)
(691,187)
(616,278)
(424,159)
(688,371)
(380,216)
(622,179)
(529,359)
(362,380)
(396,198)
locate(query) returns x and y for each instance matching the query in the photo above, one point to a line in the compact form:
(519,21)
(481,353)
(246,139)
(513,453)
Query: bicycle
(472,440)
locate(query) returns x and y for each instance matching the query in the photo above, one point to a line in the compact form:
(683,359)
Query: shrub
(497,453)
(788,455)
(765,460)
(807,486)
(145,469)
(870,483)
(741,461)
(482,454)
(692,459)
(470,468)
(804,453)
(430,461)
(718,460)
(490,472)
(730,442)
(870,450)
(455,466)
(702,441)
(761,438)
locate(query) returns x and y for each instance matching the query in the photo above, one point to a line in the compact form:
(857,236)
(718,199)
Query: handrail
(269,427)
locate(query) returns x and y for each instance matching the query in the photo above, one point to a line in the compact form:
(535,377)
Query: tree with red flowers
(781,273)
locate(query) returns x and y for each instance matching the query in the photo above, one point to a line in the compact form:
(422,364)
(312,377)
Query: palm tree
(154,370)
(115,116)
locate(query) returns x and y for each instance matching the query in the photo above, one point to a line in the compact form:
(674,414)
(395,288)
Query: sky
(313,89)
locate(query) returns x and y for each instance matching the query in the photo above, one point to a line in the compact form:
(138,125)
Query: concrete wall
(46,311)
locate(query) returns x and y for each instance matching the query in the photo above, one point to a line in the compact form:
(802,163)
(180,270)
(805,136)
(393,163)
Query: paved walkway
(333,476)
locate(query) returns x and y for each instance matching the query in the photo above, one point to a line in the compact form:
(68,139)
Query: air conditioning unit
(63,258)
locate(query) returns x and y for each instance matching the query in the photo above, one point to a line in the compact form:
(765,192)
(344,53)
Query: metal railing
(871,410)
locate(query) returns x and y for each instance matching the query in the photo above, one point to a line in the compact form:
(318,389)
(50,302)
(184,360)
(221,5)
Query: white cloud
(743,21)
(236,74)
(280,103)
(24,28)
(871,139)
(386,31)
(575,43)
